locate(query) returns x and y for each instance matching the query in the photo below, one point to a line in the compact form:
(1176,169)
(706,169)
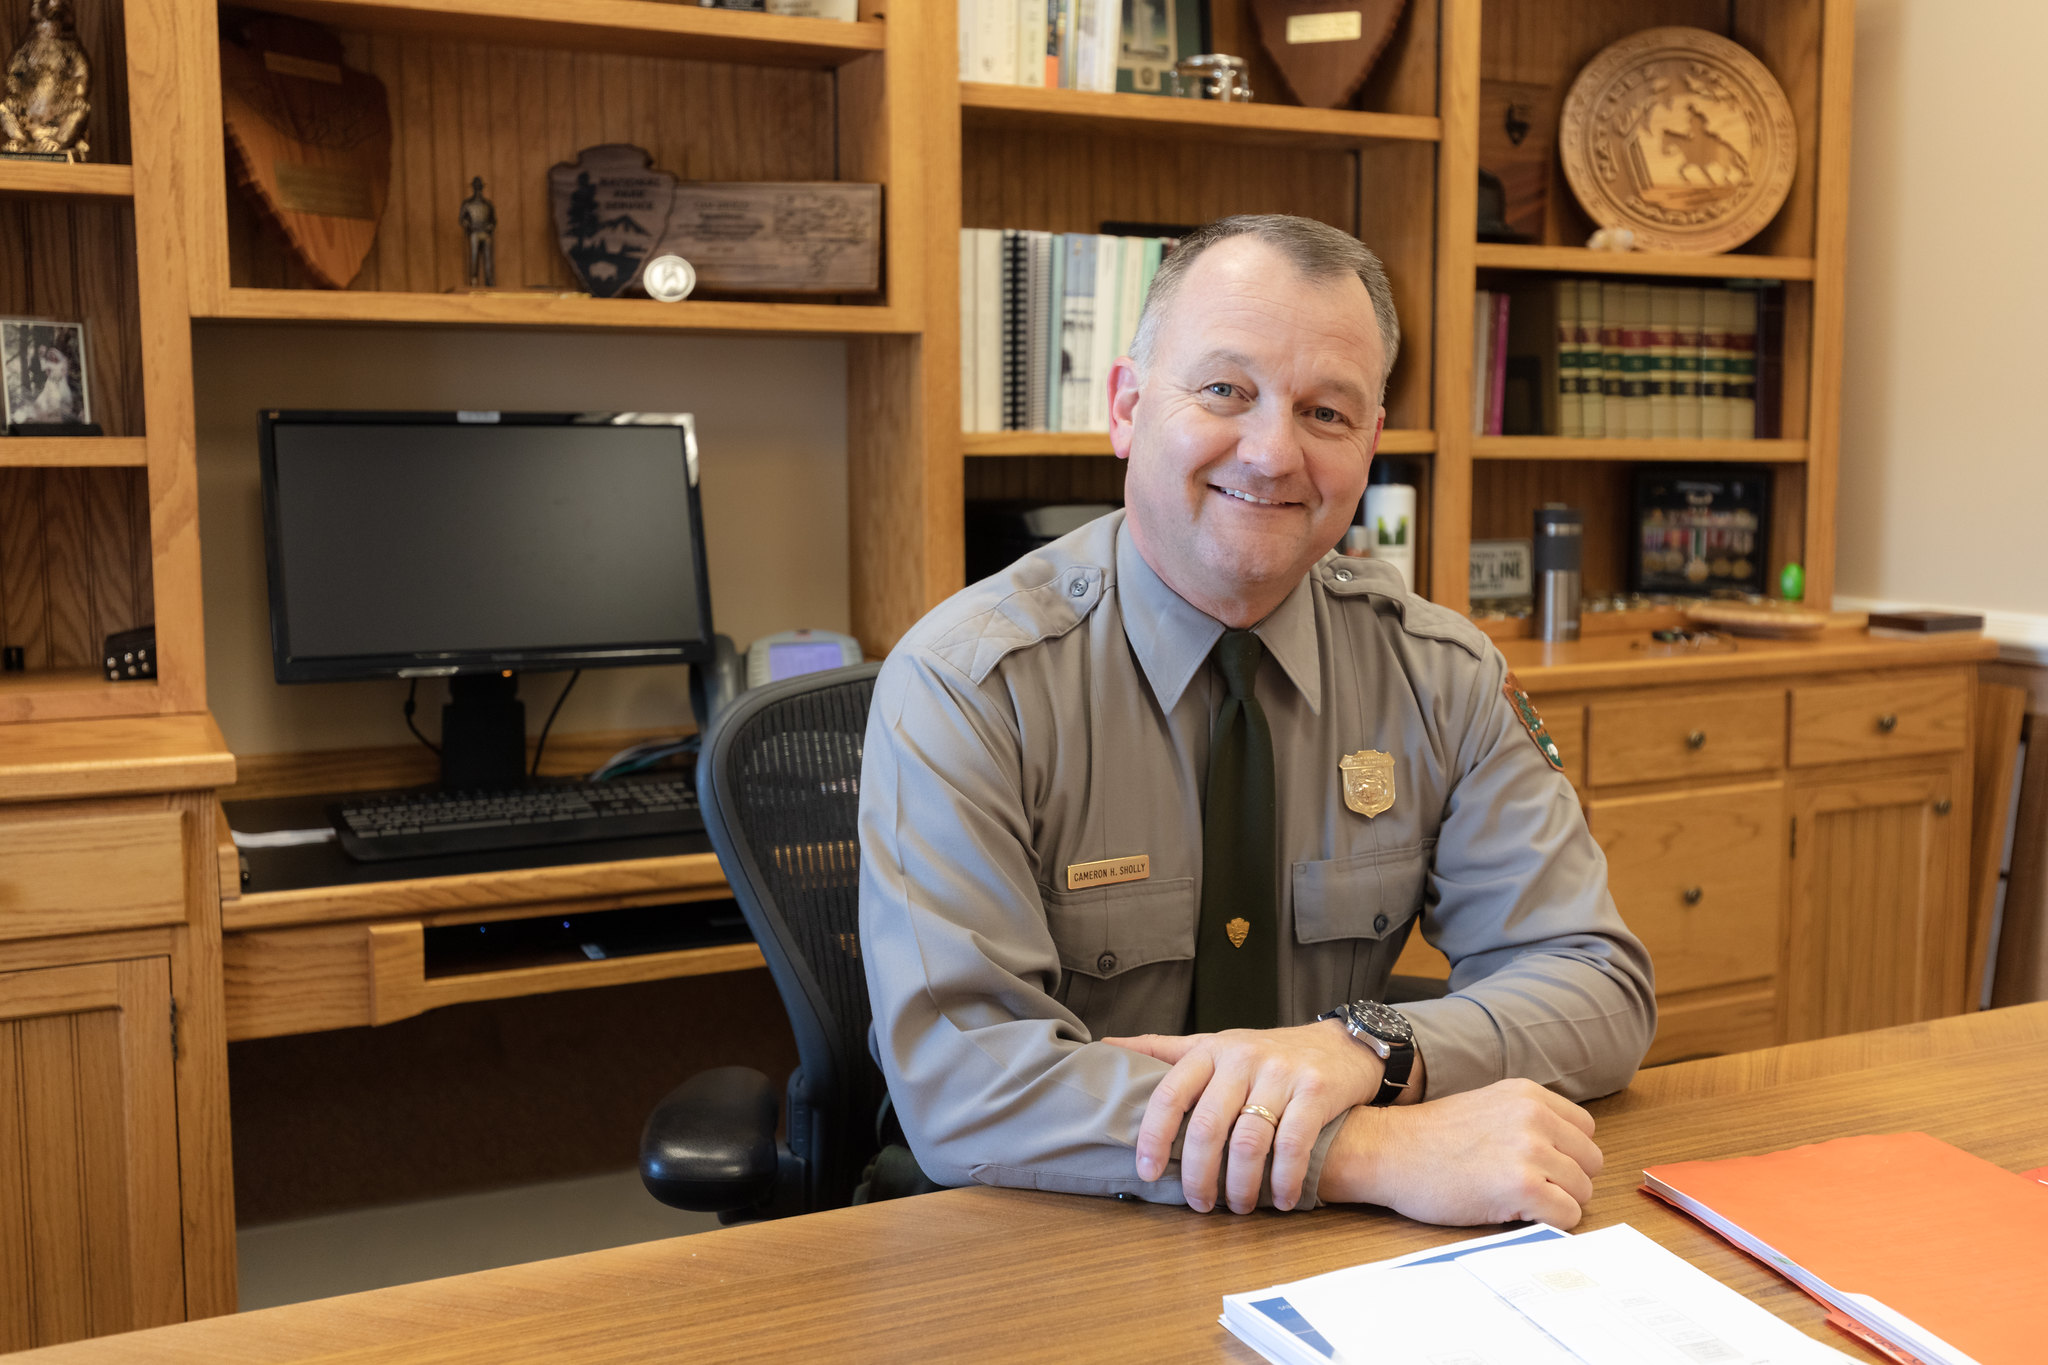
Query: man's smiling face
(1249,429)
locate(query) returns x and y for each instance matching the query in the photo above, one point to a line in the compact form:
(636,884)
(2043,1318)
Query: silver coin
(668,278)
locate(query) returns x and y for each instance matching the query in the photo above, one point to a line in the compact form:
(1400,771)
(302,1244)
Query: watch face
(1383,1021)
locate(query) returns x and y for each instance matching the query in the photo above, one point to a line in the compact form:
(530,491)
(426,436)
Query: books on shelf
(1617,359)
(1053,44)
(1043,317)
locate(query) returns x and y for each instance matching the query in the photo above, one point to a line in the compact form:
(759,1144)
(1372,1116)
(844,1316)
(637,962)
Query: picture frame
(1152,36)
(44,379)
(1699,530)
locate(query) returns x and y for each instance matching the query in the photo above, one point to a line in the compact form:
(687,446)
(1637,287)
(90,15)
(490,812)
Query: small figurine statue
(480,220)
(45,104)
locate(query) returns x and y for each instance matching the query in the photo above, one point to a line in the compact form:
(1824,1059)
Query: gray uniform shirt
(1059,713)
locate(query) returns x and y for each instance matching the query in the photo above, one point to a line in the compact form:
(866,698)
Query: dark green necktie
(1237,949)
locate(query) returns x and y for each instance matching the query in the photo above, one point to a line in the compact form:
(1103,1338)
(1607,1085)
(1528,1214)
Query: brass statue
(480,221)
(46,102)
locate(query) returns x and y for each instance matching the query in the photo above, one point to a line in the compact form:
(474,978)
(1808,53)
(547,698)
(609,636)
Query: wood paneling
(73,569)
(1048,478)
(1651,740)
(1877,920)
(75,261)
(1886,718)
(89,1230)
(460,109)
(1711,1023)
(2021,972)
(62,759)
(1506,494)
(79,869)
(1699,877)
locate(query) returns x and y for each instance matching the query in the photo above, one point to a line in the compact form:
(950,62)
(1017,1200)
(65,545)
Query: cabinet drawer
(1699,877)
(1889,718)
(78,872)
(1658,740)
(1715,1023)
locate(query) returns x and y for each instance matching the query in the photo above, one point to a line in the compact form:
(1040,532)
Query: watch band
(1396,1052)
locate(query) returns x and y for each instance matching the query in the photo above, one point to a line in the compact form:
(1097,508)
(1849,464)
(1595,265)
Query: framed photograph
(1155,34)
(42,364)
(1701,529)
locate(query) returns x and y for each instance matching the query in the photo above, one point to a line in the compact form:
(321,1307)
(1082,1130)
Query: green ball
(1792,583)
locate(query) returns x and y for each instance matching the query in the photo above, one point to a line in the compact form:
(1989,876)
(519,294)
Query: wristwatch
(1388,1033)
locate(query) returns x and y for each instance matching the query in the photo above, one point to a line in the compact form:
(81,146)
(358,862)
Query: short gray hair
(1319,251)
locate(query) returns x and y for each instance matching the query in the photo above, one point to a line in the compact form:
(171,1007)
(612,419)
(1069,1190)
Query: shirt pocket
(1362,896)
(1107,931)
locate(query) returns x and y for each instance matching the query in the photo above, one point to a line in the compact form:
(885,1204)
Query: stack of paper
(1912,1244)
(1532,1297)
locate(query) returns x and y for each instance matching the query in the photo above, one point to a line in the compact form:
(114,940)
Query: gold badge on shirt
(1368,781)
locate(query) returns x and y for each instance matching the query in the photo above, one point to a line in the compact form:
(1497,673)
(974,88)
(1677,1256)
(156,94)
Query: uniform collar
(1173,639)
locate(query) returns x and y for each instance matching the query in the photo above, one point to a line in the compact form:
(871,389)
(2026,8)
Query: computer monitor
(476,545)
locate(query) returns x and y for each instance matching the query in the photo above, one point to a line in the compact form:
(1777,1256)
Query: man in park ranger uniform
(1147,817)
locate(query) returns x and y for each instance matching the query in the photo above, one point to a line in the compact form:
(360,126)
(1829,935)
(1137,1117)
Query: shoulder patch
(1525,711)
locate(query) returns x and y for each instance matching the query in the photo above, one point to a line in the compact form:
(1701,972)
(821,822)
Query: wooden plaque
(1681,135)
(810,237)
(1325,50)
(310,140)
(610,207)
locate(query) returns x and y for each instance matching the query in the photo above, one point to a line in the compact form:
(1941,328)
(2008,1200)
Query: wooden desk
(984,1274)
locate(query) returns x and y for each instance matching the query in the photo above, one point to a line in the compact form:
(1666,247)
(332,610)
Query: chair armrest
(709,1146)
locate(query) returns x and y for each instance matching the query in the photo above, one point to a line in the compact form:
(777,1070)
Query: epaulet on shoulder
(976,629)
(1379,587)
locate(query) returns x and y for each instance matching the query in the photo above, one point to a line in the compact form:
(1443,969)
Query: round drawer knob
(1696,739)
(1887,723)
(1943,806)
(1693,894)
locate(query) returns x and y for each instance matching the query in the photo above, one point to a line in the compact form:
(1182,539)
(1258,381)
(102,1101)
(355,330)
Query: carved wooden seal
(1681,135)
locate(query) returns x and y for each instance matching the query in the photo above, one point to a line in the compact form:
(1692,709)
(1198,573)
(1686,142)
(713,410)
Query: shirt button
(1079,588)
(1106,963)
(1342,575)
(1379,924)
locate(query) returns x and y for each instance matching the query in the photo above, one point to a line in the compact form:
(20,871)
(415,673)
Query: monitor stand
(483,732)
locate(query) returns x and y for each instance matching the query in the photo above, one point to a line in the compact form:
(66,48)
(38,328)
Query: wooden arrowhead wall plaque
(1325,51)
(310,139)
(611,207)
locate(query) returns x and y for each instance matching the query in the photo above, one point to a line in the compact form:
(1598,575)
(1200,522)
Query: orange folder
(1948,1240)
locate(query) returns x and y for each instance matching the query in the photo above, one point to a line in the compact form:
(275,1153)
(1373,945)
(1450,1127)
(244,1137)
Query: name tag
(1109,871)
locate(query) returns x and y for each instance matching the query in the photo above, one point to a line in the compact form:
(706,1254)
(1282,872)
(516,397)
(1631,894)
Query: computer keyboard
(376,826)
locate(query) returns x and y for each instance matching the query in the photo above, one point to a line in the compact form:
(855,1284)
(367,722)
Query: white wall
(1944,483)
(771,426)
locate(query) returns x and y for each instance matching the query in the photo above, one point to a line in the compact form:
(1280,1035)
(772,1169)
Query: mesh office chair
(779,782)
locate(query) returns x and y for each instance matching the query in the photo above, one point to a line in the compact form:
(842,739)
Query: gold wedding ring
(1263,1112)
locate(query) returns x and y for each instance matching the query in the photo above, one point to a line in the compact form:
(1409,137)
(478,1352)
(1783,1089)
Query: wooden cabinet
(89,1230)
(1879,878)
(115,1204)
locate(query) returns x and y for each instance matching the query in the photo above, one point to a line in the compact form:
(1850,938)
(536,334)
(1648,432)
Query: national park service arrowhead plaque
(611,206)
(1326,48)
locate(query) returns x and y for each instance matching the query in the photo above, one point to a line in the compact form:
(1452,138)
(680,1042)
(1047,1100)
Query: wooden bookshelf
(1623,448)
(653,28)
(540,309)
(1578,260)
(73,452)
(1019,106)
(80,180)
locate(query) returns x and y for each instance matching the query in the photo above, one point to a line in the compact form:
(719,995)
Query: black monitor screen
(397,544)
